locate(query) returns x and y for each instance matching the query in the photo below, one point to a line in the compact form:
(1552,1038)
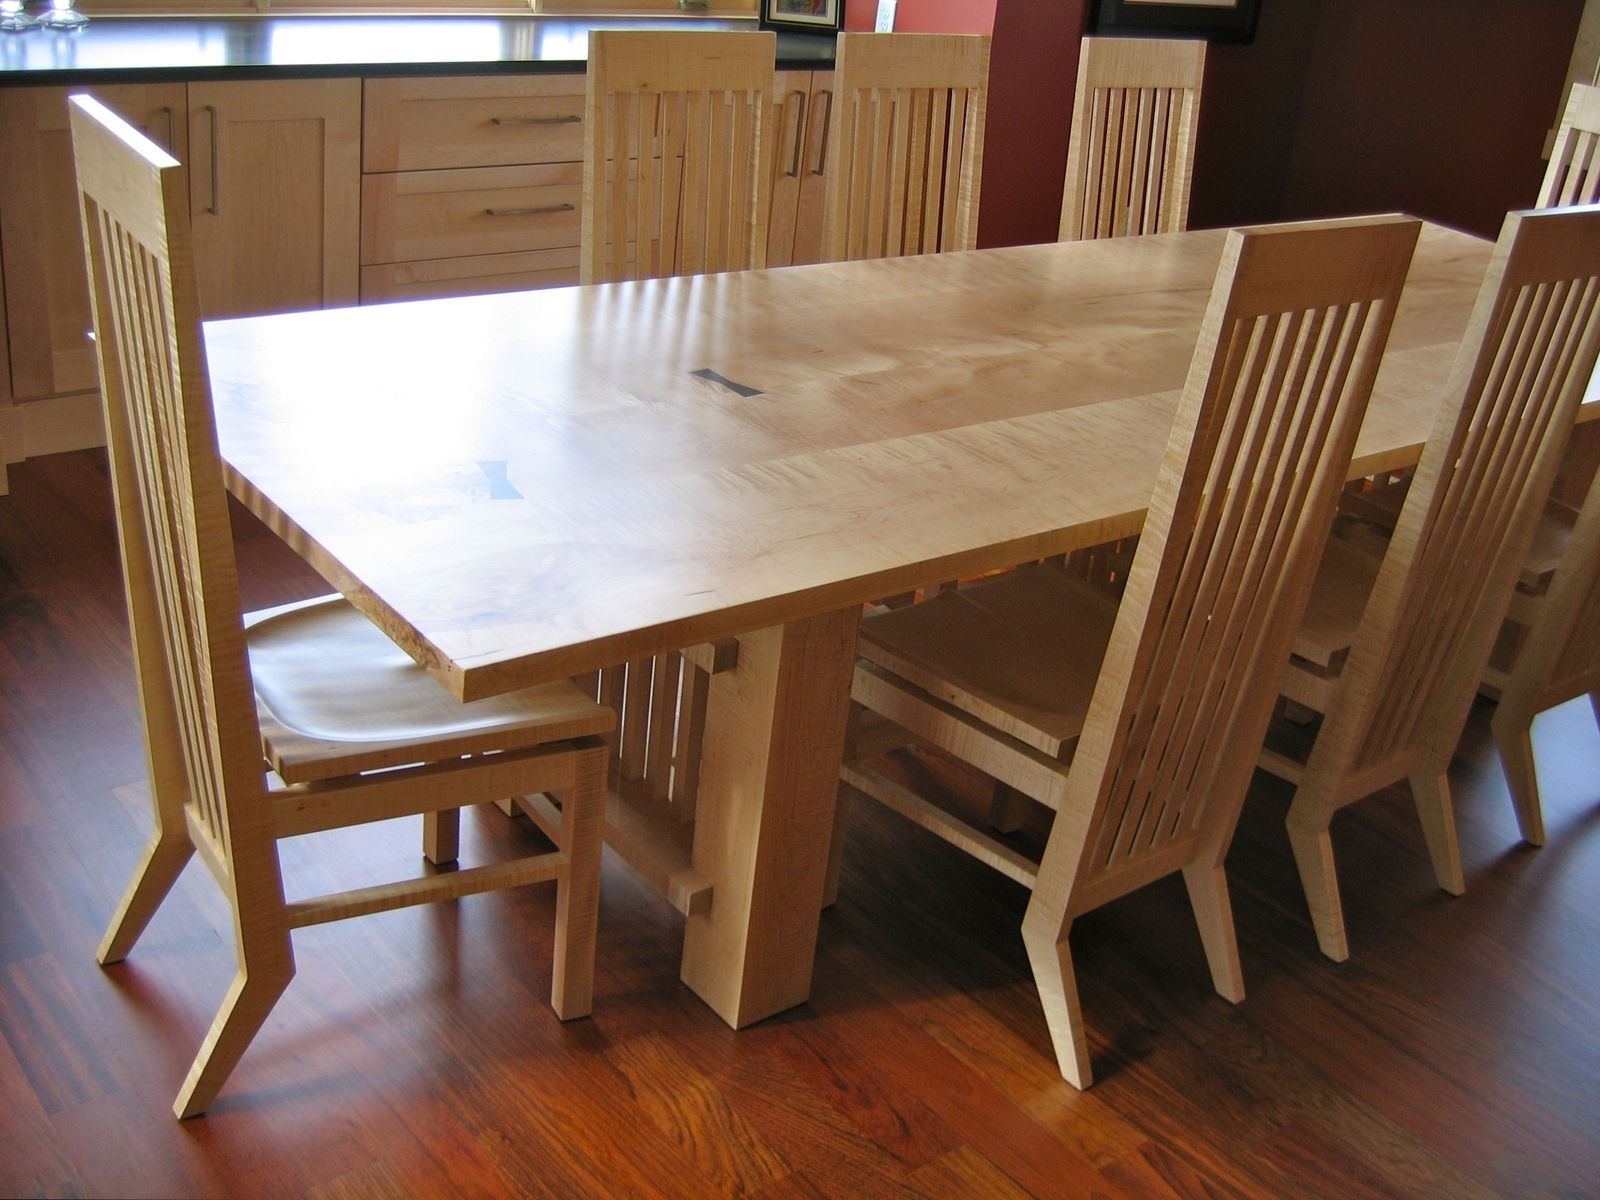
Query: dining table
(540,484)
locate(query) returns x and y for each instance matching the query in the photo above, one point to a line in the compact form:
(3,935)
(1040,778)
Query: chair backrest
(1131,154)
(1573,176)
(906,144)
(1243,505)
(1479,487)
(172,512)
(675,174)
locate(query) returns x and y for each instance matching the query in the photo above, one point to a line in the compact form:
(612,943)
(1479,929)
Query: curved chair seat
(336,697)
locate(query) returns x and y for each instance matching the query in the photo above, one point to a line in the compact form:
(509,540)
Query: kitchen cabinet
(274,176)
(274,193)
(472,184)
(47,311)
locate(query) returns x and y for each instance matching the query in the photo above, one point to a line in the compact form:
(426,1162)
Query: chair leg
(1513,738)
(1431,790)
(441,836)
(1213,913)
(264,972)
(1051,959)
(578,889)
(841,821)
(163,861)
(1313,855)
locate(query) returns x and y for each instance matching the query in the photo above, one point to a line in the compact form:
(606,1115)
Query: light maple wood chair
(675,174)
(1392,654)
(352,730)
(906,144)
(1573,174)
(1131,155)
(1138,725)
(1559,660)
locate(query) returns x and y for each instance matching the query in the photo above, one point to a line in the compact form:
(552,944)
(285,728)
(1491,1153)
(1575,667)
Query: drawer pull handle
(215,208)
(527,212)
(571,119)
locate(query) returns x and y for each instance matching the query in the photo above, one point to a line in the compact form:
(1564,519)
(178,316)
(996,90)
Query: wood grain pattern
(638,478)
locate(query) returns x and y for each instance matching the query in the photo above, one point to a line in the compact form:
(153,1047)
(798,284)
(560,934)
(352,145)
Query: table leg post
(774,739)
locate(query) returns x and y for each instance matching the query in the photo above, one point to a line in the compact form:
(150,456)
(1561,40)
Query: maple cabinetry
(274,173)
(471,185)
(802,109)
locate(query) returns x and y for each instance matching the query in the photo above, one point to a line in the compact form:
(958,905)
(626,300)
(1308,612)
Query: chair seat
(1338,600)
(1021,653)
(336,697)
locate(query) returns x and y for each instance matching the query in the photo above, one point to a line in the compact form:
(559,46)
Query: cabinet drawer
(474,276)
(436,124)
(486,210)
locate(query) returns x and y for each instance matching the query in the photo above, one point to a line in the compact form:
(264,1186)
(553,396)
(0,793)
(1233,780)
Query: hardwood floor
(1457,1054)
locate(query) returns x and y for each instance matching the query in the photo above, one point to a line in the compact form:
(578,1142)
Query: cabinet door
(802,108)
(47,294)
(275,194)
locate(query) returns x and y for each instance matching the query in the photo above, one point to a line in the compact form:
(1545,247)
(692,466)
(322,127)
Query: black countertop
(153,49)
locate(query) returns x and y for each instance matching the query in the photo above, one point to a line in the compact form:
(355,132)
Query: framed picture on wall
(802,16)
(1214,20)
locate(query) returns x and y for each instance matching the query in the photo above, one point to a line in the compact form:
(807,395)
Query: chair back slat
(1573,174)
(171,507)
(1131,154)
(675,178)
(1481,482)
(1260,449)
(909,125)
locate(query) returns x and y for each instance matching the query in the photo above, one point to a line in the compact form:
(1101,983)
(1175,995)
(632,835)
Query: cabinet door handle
(172,129)
(527,212)
(799,134)
(216,152)
(827,123)
(567,119)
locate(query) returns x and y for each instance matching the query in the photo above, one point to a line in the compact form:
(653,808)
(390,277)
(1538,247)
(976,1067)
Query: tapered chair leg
(1051,959)
(1431,791)
(1313,855)
(1513,738)
(441,836)
(163,861)
(578,889)
(251,997)
(1213,913)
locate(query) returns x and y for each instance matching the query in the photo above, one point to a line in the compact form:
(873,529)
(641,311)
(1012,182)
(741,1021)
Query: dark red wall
(1436,107)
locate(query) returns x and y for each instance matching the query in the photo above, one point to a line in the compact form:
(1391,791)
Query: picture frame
(802,16)
(1215,20)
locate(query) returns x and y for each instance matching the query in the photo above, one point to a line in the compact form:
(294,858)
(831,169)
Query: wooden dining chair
(1131,154)
(1573,173)
(676,173)
(1138,724)
(906,144)
(1558,661)
(351,729)
(1392,654)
